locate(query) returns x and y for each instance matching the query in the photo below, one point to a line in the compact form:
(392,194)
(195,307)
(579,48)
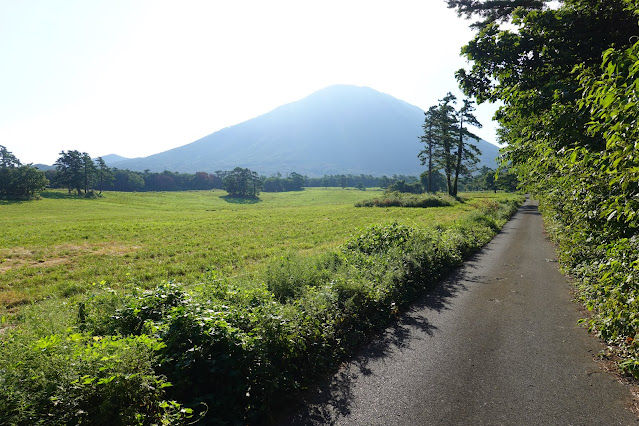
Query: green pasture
(60,245)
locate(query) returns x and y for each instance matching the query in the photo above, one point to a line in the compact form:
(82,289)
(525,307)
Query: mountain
(337,130)
(43,167)
(114,158)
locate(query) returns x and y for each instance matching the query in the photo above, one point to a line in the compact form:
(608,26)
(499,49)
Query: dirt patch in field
(51,256)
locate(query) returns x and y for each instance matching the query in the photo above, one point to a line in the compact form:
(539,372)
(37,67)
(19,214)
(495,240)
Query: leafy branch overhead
(492,10)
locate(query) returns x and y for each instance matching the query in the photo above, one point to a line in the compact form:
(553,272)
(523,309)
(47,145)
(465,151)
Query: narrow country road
(496,344)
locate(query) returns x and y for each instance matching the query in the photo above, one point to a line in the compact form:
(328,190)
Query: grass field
(206,307)
(60,245)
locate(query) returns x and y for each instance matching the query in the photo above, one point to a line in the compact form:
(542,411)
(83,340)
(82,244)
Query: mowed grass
(59,246)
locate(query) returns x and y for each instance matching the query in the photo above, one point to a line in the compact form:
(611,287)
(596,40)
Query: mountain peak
(340,129)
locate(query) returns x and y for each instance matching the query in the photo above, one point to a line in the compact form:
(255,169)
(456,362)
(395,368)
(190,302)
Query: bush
(398,199)
(77,378)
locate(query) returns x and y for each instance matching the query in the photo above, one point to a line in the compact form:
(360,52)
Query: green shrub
(289,276)
(399,199)
(381,238)
(76,378)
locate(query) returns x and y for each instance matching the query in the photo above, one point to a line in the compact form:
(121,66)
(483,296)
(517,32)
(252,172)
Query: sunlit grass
(60,245)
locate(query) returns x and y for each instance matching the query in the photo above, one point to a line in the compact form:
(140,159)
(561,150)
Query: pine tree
(430,139)
(467,153)
(448,147)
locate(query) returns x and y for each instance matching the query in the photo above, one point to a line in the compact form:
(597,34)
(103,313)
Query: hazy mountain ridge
(114,158)
(337,130)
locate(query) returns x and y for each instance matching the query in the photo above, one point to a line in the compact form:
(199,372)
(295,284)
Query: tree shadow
(240,200)
(43,194)
(529,209)
(57,195)
(4,202)
(331,399)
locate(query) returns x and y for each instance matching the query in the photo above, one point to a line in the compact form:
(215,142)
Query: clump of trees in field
(18,181)
(77,171)
(447,141)
(567,79)
(241,182)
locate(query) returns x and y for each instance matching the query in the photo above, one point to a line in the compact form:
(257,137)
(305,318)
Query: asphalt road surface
(496,344)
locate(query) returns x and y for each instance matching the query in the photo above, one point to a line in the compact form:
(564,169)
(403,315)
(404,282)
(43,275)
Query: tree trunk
(430,166)
(460,149)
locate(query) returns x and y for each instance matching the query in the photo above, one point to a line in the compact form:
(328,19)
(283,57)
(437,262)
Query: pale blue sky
(137,77)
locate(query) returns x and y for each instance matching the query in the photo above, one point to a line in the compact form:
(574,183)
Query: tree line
(79,174)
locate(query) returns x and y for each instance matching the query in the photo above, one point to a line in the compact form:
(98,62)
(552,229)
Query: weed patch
(400,199)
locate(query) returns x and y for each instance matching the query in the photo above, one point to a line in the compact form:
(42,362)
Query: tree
(7,159)
(104,175)
(202,181)
(242,183)
(89,172)
(492,10)
(127,180)
(19,181)
(436,180)
(273,184)
(447,138)
(70,166)
(467,153)
(445,124)
(295,182)
(430,139)
(28,182)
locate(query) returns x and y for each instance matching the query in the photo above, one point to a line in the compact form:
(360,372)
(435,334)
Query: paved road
(496,344)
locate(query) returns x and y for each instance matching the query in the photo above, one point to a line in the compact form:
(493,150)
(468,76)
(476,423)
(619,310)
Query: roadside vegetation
(164,308)
(566,75)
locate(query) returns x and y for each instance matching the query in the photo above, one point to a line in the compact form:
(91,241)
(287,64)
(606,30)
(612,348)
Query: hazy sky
(137,77)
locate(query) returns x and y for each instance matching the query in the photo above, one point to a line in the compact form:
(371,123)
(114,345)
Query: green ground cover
(60,245)
(279,293)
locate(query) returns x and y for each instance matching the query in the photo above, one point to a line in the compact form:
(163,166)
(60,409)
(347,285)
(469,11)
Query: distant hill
(113,158)
(43,167)
(338,130)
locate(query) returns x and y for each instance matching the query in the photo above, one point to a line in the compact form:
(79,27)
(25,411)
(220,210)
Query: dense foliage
(228,350)
(567,78)
(294,182)
(241,182)
(18,181)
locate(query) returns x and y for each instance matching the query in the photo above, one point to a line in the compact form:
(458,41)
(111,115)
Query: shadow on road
(331,400)
(529,209)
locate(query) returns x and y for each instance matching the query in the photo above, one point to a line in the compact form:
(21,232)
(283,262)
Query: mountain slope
(337,130)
